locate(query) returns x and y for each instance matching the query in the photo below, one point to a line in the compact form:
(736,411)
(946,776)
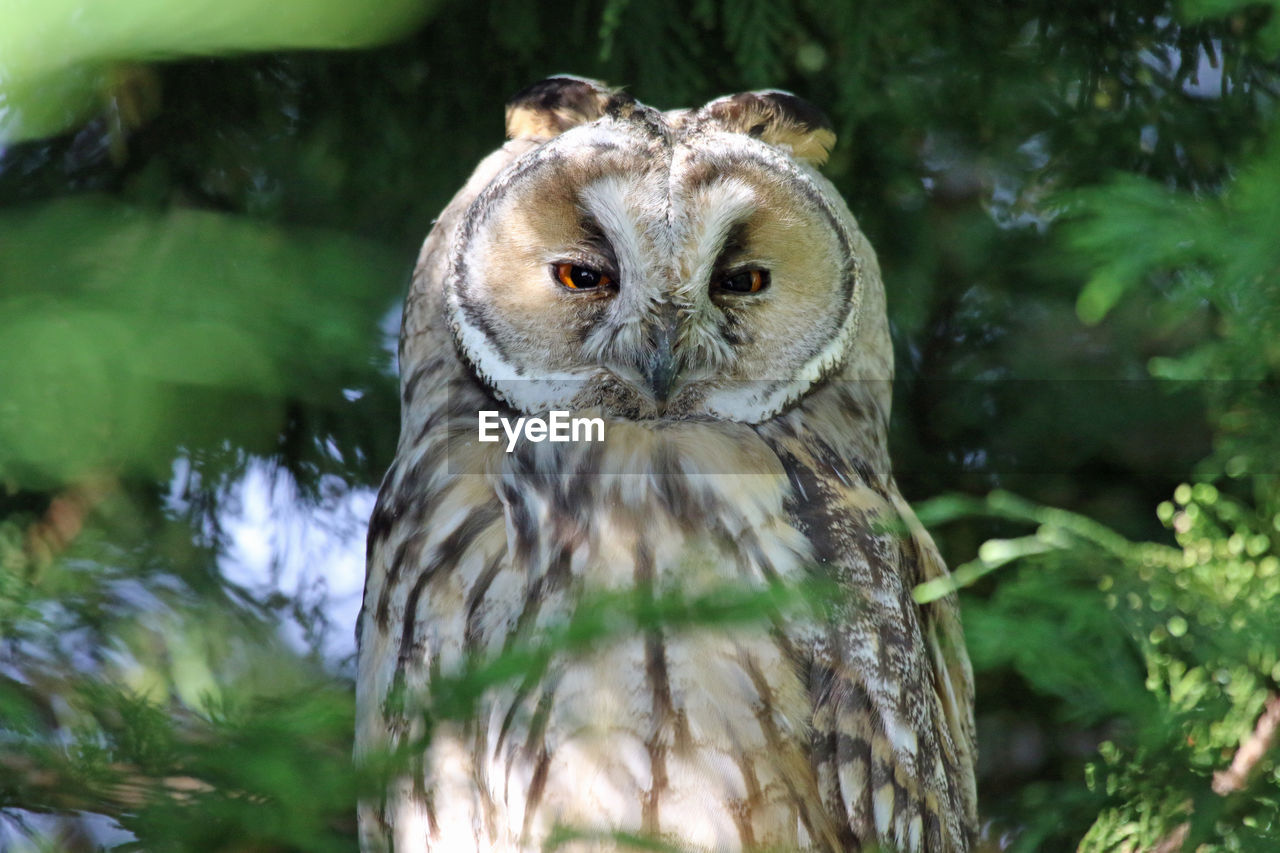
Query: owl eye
(746,281)
(576,277)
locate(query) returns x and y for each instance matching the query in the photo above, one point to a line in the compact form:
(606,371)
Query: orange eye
(747,281)
(575,277)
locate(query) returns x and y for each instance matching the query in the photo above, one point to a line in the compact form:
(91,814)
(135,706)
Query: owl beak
(661,367)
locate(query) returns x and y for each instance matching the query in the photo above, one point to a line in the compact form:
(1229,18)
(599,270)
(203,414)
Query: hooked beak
(661,367)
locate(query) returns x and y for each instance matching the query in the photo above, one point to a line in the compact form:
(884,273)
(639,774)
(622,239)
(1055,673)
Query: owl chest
(638,720)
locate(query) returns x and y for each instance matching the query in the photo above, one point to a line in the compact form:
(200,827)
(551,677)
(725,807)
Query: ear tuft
(779,118)
(550,107)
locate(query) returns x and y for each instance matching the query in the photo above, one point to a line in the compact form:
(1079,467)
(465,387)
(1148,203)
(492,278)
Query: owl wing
(889,680)
(952,672)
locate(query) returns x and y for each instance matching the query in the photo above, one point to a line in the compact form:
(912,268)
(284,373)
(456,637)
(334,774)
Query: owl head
(662,265)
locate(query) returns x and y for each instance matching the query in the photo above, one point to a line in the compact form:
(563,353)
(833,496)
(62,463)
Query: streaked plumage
(745,443)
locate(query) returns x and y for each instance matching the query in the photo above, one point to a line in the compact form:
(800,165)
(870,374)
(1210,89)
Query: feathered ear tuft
(779,118)
(550,107)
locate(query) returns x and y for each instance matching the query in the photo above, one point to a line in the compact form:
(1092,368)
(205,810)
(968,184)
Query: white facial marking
(617,206)
(728,202)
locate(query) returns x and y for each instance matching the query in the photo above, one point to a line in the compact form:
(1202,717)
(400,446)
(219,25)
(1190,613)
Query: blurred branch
(1235,777)
(64,519)
(1057,530)
(1173,842)
(38,787)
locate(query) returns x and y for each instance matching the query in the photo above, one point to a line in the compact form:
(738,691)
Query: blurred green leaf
(60,56)
(126,329)
(1269,35)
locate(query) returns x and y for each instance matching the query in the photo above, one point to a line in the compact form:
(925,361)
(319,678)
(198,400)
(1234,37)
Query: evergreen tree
(1075,206)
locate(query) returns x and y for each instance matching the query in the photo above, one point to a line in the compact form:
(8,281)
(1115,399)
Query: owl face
(657,265)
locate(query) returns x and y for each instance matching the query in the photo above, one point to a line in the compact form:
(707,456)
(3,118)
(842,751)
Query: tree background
(203,247)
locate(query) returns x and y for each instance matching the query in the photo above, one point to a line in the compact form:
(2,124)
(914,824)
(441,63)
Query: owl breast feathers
(688,278)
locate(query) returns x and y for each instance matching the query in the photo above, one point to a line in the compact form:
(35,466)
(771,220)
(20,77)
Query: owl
(690,284)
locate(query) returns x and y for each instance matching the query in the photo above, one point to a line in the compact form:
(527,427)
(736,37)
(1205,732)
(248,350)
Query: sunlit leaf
(59,56)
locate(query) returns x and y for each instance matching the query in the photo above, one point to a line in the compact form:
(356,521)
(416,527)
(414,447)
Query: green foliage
(66,60)
(165,709)
(1074,205)
(1266,11)
(1174,647)
(128,341)
(1214,257)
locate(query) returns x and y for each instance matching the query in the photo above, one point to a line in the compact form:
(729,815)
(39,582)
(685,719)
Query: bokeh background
(208,217)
